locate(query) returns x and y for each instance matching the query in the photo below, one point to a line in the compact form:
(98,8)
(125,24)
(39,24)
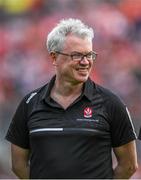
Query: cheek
(91,64)
(64,67)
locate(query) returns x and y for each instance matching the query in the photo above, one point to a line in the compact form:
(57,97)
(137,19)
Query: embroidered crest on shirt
(88,112)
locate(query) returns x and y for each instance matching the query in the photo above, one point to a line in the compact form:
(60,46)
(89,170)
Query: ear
(53,57)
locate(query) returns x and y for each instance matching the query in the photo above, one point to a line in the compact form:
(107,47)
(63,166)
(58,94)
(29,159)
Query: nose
(84,60)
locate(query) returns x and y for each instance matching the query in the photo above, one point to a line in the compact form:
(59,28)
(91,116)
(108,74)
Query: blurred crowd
(25,64)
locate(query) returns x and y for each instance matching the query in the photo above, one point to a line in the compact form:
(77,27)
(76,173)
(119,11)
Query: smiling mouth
(82,69)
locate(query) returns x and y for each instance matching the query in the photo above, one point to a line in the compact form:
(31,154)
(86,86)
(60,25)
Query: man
(68,128)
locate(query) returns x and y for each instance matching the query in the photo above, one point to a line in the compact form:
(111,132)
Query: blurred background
(25,64)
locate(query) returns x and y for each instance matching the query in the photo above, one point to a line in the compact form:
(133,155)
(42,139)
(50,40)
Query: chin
(82,79)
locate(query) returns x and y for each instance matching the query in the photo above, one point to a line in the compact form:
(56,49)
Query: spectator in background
(67,128)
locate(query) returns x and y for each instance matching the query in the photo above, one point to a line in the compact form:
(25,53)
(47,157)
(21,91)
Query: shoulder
(108,95)
(34,95)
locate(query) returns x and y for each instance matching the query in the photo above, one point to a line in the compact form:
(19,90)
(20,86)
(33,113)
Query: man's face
(71,70)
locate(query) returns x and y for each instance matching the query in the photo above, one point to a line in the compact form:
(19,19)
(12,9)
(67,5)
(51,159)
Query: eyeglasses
(79,56)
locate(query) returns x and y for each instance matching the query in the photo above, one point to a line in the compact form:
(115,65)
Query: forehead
(75,43)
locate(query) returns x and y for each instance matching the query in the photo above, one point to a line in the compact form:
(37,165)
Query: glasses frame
(82,55)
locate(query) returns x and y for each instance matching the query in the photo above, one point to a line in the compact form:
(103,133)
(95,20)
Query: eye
(90,55)
(77,56)
(94,55)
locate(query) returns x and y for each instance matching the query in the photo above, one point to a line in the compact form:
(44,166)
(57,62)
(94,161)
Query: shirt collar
(88,89)
(49,86)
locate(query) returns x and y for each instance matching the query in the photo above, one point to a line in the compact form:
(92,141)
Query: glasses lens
(91,56)
(94,55)
(77,57)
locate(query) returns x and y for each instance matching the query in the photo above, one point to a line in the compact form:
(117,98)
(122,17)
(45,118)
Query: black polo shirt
(139,137)
(75,142)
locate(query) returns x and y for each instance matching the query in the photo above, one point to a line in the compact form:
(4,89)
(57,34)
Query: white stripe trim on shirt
(131,121)
(46,129)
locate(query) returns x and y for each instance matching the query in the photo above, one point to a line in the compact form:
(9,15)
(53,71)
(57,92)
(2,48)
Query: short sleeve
(18,133)
(122,129)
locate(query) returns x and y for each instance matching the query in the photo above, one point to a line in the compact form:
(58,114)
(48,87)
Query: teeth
(82,69)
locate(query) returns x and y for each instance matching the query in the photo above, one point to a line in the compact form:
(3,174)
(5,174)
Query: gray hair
(56,37)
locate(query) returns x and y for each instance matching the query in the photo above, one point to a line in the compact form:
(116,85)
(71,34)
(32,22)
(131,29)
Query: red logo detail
(87,112)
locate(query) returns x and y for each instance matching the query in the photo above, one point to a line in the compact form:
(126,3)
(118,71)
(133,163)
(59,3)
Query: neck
(67,88)
(66,92)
